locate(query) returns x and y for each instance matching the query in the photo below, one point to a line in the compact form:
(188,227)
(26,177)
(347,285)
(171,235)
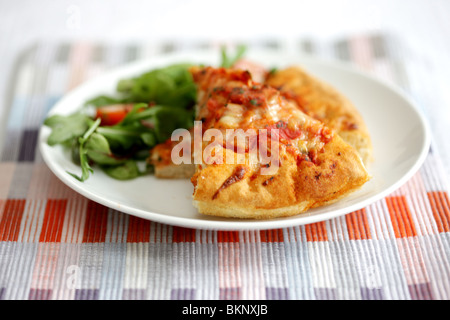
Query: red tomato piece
(113,114)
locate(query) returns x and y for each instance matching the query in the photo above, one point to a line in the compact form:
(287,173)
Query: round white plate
(400,140)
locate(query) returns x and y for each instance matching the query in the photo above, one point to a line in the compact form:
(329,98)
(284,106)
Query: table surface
(55,244)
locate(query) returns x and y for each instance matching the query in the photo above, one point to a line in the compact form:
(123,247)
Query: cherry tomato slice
(113,114)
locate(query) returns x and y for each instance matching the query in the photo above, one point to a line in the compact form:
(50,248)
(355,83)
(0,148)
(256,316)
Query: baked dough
(324,103)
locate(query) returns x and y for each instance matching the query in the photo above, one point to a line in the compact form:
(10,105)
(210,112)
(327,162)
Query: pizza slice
(324,103)
(260,156)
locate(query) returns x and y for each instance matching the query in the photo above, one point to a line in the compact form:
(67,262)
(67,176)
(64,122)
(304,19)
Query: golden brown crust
(324,103)
(292,190)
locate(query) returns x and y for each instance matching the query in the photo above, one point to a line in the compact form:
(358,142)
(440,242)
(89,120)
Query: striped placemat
(56,244)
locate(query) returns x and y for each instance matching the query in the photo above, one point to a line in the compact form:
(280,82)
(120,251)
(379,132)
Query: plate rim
(245,224)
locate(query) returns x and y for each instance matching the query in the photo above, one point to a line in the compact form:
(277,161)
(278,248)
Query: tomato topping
(284,132)
(213,105)
(113,114)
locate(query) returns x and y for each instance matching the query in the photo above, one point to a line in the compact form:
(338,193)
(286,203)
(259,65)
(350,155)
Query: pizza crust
(293,190)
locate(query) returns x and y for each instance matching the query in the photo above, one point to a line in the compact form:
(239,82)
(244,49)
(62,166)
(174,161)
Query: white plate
(400,139)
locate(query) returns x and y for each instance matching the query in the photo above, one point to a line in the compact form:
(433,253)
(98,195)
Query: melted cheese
(229,103)
(233,116)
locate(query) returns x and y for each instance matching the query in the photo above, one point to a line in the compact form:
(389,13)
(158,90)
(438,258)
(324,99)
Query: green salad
(143,112)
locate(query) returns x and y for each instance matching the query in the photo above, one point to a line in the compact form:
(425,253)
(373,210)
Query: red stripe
(180,234)
(273,235)
(227,236)
(138,230)
(11,219)
(95,223)
(52,225)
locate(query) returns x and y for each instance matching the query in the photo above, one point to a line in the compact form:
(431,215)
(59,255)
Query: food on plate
(255,144)
(324,103)
(312,167)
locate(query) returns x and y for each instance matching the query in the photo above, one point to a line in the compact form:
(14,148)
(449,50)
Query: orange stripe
(445,204)
(400,217)
(48,221)
(350,227)
(227,236)
(308,233)
(322,232)
(52,225)
(393,216)
(407,216)
(365,221)
(362,224)
(60,211)
(5,222)
(273,235)
(95,223)
(440,207)
(316,231)
(17,219)
(45,222)
(440,204)
(11,219)
(436,216)
(180,234)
